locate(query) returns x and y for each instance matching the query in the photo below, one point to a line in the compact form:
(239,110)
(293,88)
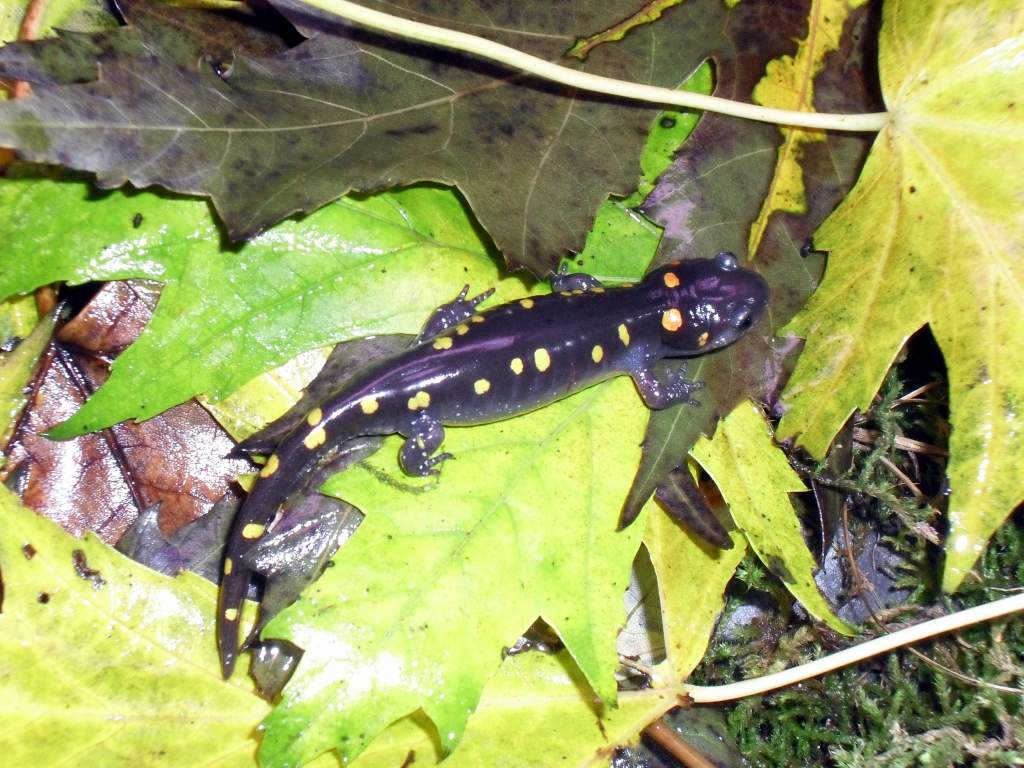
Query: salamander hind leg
(451,314)
(659,394)
(424,435)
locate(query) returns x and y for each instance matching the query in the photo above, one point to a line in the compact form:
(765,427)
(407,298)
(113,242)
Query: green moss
(953,702)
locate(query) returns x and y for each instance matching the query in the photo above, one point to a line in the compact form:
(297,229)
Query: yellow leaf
(756,479)
(106,663)
(789,84)
(933,233)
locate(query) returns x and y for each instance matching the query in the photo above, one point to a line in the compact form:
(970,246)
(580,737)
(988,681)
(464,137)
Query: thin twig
(676,746)
(28,30)
(844,658)
(518,60)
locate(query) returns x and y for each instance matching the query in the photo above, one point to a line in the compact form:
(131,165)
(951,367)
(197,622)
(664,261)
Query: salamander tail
(233,588)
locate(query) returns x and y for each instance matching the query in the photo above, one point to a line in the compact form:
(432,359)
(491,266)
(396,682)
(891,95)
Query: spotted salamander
(472,366)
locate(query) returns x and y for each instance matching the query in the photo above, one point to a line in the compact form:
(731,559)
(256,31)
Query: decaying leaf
(268,136)
(102,482)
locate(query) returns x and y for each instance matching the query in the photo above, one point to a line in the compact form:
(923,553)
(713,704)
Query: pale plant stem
(488,49)
(758,685)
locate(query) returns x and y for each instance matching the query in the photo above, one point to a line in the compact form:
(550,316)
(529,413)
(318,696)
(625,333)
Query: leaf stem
(941,625)
(516,59)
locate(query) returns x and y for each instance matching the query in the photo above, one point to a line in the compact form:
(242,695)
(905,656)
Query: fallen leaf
(355,268)
(932,233)
(268,136)
(522,518)
(756,479)
(692,577)
(119,670)
(102,482)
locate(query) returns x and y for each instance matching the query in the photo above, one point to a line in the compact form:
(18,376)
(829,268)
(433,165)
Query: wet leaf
(755,478)
(268,136)
(692,577)
(724,193)
(706,202)
(16,369)
(409,604)
(121,668)
(102,482)
(932,234)
(195,547)
(226,316)
(684,502)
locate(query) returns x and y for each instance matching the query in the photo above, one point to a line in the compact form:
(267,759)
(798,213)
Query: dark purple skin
(470,367)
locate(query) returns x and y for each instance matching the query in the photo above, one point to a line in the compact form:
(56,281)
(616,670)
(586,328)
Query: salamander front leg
(563,280)
(451,314)
(657,394)
(423,436)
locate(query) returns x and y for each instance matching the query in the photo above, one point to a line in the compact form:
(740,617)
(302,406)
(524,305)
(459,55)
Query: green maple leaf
(933,233)
(442,573)
(537,710)
(354,268)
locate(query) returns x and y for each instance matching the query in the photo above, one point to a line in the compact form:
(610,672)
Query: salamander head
(712,302)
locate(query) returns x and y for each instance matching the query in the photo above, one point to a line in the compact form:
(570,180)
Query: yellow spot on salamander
(253,531)
(229,566)
(476,319)
(270,467)
(462,329)
(565,293)
(370,405)
(597,289)
(578,292)
(671,280)
(420,400)
(445,342)
(672,319)
(526,303)
(481,386)
(624,334)
(703,339)
(516,365)
(315,438)
(314,417)
(597,354)
(231,614)
(541,359)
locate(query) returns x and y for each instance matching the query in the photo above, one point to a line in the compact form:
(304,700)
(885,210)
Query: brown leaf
(100,482)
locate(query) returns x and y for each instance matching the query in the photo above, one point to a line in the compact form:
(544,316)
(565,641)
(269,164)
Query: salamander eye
(744,319)
(727,261)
